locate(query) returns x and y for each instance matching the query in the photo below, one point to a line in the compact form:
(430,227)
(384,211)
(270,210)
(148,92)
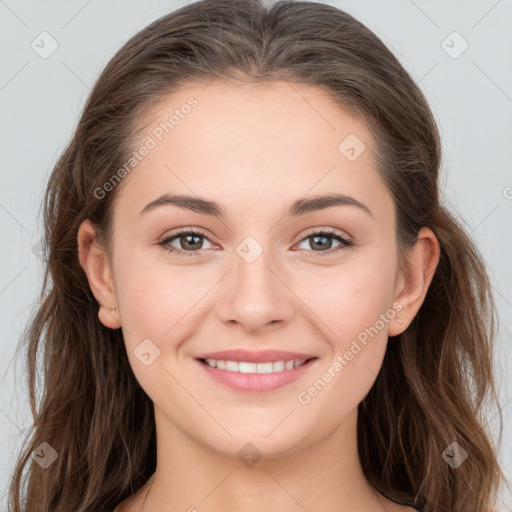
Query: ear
(412,285)
(94,260)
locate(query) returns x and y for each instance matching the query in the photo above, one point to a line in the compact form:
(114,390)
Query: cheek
(158,300)
(351,307)
(348,298)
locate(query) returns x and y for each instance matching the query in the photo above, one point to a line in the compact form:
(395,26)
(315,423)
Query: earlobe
(94,261)
(109,317)
(414,282)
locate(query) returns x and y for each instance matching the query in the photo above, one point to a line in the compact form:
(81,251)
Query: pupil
(197,244)
(322,246)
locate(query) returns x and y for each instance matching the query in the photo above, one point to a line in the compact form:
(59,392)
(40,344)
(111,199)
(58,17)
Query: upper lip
(260,356)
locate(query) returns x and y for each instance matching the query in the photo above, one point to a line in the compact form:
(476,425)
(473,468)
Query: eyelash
(328,233)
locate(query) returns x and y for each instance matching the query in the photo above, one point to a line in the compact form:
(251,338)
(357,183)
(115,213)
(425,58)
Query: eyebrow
(299,207)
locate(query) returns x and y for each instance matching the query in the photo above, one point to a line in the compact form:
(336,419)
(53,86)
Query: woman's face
(257,278)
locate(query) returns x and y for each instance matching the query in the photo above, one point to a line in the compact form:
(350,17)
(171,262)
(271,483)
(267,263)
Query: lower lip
(256,382)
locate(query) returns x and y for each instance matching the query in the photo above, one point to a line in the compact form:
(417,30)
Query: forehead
(259,144)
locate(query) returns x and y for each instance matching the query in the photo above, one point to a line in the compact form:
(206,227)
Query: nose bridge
(255,295)
(252,262)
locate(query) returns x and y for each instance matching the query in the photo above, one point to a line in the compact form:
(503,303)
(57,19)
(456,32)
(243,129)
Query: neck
(323,476)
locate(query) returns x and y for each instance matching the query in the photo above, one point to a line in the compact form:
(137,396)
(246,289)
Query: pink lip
(255,382)
(260,356)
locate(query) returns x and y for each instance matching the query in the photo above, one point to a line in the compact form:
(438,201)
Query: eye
(322,240)
(190,241)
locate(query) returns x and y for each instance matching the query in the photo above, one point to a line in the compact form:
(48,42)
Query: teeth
(278,366)
(264,367)
(231,366)
(246,367)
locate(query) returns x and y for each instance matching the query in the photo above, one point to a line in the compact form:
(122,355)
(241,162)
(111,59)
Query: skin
(264,147)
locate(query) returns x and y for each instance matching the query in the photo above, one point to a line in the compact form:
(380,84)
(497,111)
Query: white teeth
(231,366)
(247,367)
(278,366)
(264,368)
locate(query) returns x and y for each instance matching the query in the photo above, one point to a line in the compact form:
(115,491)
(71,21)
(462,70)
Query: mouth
(253,373)
(251,367)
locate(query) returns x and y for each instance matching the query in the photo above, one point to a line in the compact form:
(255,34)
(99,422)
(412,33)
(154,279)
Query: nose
(255,295)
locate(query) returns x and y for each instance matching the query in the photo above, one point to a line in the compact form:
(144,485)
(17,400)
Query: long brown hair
(436,377)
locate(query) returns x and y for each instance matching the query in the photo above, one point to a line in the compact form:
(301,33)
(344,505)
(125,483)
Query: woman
(256,300)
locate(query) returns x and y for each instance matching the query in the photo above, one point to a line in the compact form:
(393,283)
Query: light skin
(256,150)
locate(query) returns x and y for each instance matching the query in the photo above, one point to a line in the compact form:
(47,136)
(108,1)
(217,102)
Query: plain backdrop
(460,53)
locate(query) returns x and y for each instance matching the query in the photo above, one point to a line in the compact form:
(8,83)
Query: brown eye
(322,242)
(189,241)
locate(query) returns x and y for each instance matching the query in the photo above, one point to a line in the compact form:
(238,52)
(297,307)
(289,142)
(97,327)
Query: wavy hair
(436,377)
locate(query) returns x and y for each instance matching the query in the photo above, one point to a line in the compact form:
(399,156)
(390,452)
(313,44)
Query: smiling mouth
(256,368)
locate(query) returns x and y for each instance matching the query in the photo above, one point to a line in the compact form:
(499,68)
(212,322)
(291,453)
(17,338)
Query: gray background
(470,94)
